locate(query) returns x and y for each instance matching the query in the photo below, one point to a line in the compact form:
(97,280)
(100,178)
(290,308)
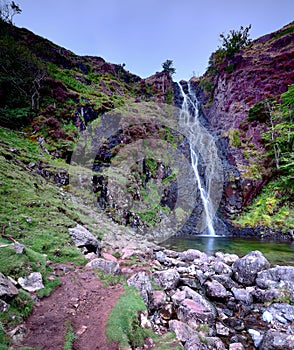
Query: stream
(280,253)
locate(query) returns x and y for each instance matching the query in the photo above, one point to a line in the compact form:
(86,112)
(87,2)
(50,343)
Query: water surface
(276,252)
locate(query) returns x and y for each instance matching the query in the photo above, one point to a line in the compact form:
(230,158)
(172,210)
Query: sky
(145,33)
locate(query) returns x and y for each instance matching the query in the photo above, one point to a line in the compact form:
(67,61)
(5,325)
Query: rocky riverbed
(216,302)
(211,302)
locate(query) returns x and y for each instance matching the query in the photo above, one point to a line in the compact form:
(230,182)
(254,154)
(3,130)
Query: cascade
(198,141)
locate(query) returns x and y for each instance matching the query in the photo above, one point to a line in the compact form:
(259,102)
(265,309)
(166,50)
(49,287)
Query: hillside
(248,100)
(65,117)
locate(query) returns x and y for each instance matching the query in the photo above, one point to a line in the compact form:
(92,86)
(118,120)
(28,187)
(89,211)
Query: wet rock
(215,290)
(31,283)
(245,269)
(109,267)
(167,279)
(7,288)
(182,330)
(142,283)
(274,340)
(84,238)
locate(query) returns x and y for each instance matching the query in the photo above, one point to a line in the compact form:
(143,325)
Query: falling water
(189,120)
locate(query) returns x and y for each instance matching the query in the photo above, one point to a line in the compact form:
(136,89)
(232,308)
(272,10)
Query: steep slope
(240,96)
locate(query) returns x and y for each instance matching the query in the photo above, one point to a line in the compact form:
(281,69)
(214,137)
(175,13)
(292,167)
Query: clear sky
(144,33)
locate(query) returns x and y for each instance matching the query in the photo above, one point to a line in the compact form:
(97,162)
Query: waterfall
(188,121)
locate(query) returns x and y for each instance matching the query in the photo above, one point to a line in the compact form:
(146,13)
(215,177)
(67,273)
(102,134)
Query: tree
(235,40)
(8,9)
(168,67)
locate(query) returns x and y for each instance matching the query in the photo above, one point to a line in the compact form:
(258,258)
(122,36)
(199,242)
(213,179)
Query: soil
(81,300)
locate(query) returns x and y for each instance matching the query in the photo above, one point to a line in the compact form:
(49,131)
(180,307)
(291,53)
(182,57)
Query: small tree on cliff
(235,40)
(8,9)
(168,67)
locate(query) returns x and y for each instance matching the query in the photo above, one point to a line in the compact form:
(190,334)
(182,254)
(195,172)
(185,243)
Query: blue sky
(144,33)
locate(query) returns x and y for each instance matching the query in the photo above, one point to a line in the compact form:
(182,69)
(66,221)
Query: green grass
(272,208)
(109,279)
(69,336)
(123,324)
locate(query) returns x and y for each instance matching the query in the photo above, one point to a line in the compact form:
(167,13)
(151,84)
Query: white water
(190,122)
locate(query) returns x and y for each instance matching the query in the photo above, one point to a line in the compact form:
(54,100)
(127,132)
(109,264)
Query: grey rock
(192,254)
(215,343)
(195,343)
(158,299)
(7,288)
(222,268)
(277,277)
(236,346)
(246,269)
(31,283)
(243,295)
(256,337)
(183,331)
(215,290)
(196,311)
(142,283)
(84,238)
(226,281)
(274,340)
(167,279)
(109,267)
(4,307)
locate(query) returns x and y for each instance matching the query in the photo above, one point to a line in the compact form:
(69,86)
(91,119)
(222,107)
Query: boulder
(167,279)
(7,288)
(158,299)
(198,311)
(183,331)
(195,343)
(215,290)
(142,283)
(274,340)
(279,277)
(192,254)
(109,267)
(243,295)
(246,269)
(31,283)
(85,239)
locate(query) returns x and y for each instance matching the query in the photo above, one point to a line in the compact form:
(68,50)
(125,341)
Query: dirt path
(81,300)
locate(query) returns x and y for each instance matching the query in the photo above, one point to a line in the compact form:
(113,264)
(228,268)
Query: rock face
(255,73)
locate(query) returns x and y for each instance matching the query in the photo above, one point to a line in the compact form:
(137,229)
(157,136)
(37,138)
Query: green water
(276,252)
